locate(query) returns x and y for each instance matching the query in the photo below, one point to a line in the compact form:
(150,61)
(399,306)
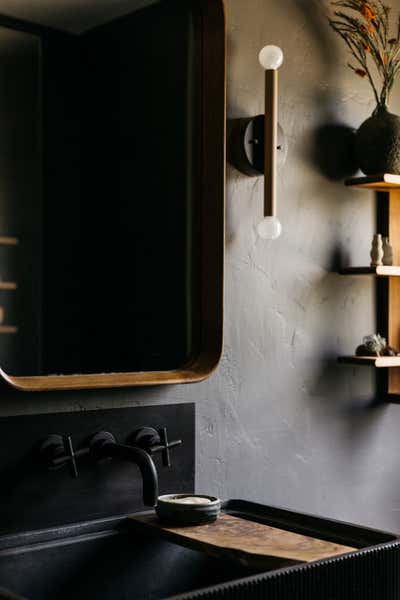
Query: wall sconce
(256,141)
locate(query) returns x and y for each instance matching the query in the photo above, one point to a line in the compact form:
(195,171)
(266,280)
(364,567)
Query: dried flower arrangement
(372,43)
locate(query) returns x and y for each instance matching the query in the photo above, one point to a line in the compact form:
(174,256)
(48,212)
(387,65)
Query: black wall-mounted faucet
(104,445)
(57,451)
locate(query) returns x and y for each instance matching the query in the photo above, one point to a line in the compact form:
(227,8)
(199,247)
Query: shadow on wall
(332,151)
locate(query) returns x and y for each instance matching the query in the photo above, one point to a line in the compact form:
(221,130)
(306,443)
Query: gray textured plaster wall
(279,422)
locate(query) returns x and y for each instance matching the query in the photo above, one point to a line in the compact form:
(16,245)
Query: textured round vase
(378,143)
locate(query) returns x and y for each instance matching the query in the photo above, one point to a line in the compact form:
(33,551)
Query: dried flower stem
(367,35)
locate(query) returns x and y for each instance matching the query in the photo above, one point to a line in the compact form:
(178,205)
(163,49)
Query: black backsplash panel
(32,497)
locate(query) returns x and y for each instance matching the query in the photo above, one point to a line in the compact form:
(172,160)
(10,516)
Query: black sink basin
(102,561)
(112,559)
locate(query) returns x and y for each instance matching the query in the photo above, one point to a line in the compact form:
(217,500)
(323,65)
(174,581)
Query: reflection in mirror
(99,147)
(20,198)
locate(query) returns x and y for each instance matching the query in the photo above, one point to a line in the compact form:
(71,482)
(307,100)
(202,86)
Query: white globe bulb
(271,58)
(270,228)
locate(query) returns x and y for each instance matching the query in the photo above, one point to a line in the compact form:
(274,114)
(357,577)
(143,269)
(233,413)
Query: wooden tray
(253,544)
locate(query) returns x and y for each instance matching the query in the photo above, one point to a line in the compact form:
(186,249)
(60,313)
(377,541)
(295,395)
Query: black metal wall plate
(247,147)
(31,497)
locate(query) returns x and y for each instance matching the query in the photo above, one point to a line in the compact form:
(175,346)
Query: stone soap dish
(188,509)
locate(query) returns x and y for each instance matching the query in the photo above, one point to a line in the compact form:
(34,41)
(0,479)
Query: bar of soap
(189,500)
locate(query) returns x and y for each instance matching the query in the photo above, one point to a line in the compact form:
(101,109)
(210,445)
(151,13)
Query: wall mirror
(112,129)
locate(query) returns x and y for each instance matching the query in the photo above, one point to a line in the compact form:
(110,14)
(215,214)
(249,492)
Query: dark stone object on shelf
(377,143)
(390,351)
(375,345)
(363,350)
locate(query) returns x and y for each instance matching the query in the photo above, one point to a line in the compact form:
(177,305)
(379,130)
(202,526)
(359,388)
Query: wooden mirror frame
(211,29)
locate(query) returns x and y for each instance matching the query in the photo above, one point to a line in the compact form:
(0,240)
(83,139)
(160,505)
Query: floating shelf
(378,183)
(376,271)
(387,284)
(8,329)
(8,285)
(9,241)
(379,362)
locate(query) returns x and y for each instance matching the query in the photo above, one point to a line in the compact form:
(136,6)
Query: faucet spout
(104,445)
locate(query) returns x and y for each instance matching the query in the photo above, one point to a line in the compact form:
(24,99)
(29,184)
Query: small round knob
(97,443)
(146,438)
(52,452)
(57,451)
(153,441)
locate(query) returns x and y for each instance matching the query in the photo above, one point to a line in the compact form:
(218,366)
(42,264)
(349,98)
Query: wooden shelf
(9,241)
(378,183)
(8,285)
(376,271)
(378,362)
(387,284)
(8,329)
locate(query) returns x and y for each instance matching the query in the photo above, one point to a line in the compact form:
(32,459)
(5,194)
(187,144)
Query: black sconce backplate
(246,148)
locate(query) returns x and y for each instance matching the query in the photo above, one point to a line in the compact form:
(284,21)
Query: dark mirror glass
(98,178)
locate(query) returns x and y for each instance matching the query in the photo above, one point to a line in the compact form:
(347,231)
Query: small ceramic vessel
(188,509)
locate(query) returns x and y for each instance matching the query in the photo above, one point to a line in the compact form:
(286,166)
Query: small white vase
(387,252)
(377,251)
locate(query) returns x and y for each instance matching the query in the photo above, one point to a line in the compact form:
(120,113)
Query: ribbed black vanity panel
(33,498)
(370,575)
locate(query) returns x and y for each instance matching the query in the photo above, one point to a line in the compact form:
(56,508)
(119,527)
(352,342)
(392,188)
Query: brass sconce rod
(271,142)
(271,58)
(255,144)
